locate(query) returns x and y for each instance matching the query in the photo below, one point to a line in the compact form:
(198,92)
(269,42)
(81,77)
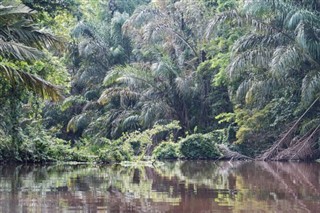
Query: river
(190,186)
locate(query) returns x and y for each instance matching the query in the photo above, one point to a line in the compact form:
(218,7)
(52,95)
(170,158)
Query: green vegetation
(166,150)
(115,152)
(199,146)
(113,81)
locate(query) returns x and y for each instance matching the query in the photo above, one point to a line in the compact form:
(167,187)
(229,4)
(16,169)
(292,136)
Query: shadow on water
(197,186)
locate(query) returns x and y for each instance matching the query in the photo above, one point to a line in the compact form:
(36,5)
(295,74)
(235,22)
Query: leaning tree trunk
(285,140)
(304,149)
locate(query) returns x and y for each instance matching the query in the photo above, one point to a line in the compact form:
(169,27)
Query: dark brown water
(168,187)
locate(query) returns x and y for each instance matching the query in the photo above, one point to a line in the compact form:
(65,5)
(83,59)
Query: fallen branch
(231,155)
(279,146)
(303,149)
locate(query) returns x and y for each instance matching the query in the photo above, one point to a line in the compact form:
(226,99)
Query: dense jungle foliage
(115,80)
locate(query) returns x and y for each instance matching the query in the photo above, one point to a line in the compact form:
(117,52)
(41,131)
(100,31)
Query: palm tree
(178,27)
(22,40)
(164,83)
(274,69)
(98,44)
(281,46)
(149,94)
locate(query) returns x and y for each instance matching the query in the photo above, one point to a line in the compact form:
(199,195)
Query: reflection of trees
(198,169)
(83,187)
(39,186)
(216,175)
(278,176)
(284,184)
(168,187)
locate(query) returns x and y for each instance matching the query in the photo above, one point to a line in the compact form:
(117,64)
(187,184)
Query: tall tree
(97,44)
(274,68)
(169,44)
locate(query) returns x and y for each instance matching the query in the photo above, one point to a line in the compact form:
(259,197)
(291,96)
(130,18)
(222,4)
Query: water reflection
(166,187)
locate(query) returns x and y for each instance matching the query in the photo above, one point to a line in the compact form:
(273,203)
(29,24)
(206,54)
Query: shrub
(199,146)
(37,145)
(144,142)
(113,155)
(166,150)
(116,151)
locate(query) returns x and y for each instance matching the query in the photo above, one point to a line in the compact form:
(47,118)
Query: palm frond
(310,89)
(251,17)
(121,121)
(284,59)
(259,7)
(142,14)
(107,95)
(87,48)
(229,15)
(32,82)
(117,72)
(255,92)
(7,11)
(155,110)
(154,31)
(78,123)
(262,8)
(259,92)
(258,57)
(136,76)
(296,17)
(19,51)
(82,29)
(34,37)
(243,89)
(185,85)
(128,98)
(150,94)
(91,75)
(131,122)
(254,40)
(190,12)
(21,29)
(165,68)
(308,40)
